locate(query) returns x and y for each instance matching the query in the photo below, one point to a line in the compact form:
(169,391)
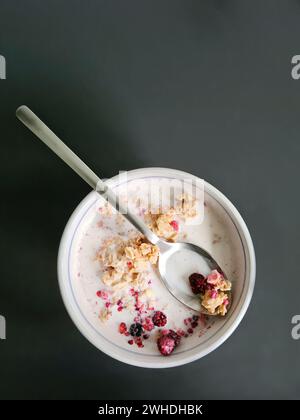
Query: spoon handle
(31,121)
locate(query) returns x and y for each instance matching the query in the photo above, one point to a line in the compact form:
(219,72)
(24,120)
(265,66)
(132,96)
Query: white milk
(216,233)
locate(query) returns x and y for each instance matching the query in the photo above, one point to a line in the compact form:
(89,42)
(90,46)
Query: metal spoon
(168,251)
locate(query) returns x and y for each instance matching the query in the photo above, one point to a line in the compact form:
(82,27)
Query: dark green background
(202,86)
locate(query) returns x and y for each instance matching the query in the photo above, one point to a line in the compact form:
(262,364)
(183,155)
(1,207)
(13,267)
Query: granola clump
(124,262)
(165,223)
(212,291)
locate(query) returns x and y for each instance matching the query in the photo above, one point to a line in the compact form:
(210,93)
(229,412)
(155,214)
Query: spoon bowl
(180,256)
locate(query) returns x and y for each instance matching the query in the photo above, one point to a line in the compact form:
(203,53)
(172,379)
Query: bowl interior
(221,232)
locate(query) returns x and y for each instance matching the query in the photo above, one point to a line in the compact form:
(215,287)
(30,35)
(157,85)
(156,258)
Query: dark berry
(194,324)
(159,319)
(195,317)
(166,345)
(198,283)
(136,330)
(176,337)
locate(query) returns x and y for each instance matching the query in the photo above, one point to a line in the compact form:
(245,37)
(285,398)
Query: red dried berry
(148,324)
(166,345)
(174,225)
(198,283)
(190,330)
(194,324)
(159,319)
(102,294)
(176,337)
(122,328)
(181,332)
(130,342)
(139,342)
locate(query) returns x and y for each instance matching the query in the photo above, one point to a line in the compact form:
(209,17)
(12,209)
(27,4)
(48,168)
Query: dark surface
(200,86)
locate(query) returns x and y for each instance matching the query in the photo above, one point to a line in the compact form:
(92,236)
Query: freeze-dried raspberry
(176,337)
(102,294)
(174,225)
(139,342)
(122,328)
(159,319)
(166,345)
(148,324)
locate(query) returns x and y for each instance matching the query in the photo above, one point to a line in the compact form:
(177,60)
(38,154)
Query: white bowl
(219,332)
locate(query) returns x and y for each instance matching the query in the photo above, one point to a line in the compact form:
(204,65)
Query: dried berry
(181,332)
(174,225)
(102,294)
(136,330)
(148,324)
(198,283)
(122,328)
(139,342)
(159,319)
(176,337)
(213,294)
(166,345)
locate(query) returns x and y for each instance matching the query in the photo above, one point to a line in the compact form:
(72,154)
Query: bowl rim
(121,354)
